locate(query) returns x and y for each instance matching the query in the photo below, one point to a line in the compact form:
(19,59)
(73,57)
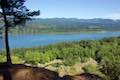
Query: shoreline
(74,32)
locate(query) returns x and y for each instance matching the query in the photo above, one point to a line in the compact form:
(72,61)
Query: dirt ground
(22,72)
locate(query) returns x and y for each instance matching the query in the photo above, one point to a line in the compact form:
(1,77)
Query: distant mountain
(78,23)
(38,25)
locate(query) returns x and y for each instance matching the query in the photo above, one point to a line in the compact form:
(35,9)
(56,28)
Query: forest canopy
(105,55)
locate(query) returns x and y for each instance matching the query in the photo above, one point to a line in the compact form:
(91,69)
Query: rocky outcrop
(22,72)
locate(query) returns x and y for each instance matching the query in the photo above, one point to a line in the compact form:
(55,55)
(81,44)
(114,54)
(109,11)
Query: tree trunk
(6,38)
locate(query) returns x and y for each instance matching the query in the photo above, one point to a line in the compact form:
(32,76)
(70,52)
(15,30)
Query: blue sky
(76,8)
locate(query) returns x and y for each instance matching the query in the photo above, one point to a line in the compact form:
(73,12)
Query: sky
(85,9)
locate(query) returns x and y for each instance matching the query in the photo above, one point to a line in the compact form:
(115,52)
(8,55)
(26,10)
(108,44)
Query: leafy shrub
(33,57)
(16,60)
(2,58)
(111,67)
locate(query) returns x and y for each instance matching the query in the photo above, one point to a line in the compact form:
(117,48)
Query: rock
(22,72)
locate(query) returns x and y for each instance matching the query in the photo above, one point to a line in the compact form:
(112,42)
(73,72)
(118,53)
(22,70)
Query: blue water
(27,41)
(1,42)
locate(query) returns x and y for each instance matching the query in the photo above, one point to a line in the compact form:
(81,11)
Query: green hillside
(101,57)
(64,25)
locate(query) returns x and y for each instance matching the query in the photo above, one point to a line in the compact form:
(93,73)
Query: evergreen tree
(14,12)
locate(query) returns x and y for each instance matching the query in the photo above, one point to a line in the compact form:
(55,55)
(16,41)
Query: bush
(2,58)
(16,60)
(33,57)
(111,67)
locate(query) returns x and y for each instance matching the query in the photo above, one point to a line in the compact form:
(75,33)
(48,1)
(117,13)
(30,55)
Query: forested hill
(58,25)
(79,23)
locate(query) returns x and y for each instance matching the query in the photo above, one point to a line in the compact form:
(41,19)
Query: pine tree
(14,12)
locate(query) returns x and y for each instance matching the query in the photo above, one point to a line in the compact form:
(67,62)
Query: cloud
(113,16)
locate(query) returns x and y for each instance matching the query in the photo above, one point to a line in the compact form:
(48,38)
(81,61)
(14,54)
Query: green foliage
(106,52)
(110,67)
(94,69)
(90,68)
(33,58)
(2,58)
(36,57)
(16,60)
